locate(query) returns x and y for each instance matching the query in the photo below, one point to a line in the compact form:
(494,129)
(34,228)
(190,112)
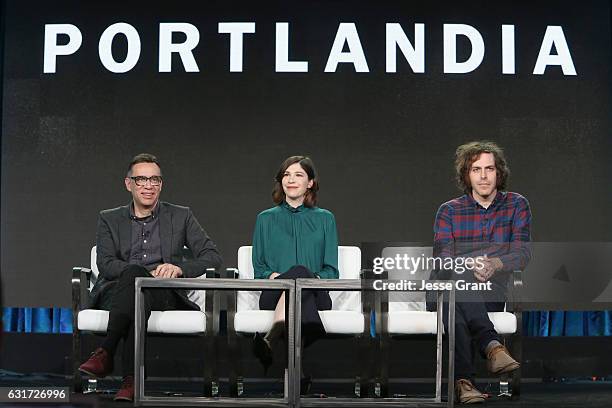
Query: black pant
(121,316)
(312,302)
(472,324)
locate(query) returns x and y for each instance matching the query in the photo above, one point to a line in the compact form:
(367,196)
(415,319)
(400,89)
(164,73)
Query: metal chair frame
(364,342)
(140,399)
(80,283)
(350,284)
(513,304)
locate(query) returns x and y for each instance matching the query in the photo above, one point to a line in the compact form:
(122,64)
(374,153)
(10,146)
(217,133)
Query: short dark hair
(310,199)
(143,158)
(468,153)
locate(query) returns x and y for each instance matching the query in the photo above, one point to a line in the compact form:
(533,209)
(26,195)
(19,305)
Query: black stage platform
(544,360)
(571,393)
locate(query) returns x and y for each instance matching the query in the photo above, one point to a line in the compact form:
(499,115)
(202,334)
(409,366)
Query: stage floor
(576,393)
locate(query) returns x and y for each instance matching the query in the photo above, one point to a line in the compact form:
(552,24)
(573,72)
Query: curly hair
(468,153)
(310,199)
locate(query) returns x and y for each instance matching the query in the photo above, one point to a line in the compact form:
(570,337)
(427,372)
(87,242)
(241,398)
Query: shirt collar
(154,213)
(289,208)
(498,197)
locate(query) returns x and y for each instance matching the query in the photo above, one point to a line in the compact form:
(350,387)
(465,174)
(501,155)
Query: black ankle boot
(305,384)
(262,351)
(277,331)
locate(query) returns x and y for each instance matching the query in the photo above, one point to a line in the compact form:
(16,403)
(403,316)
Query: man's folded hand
(167,271)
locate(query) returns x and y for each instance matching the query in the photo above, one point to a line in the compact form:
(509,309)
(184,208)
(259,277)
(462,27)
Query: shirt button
(145,223)
(145,241)
(145,255)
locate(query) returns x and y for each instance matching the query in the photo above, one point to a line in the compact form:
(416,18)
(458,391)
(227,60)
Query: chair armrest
(80,273)
(368,302)
(212,306)
(230,273)
(79,283)
(382,307)
(517,277)
(367,274)
(81,278)
(378,300)
(212,273)
(515,292)
(368,297)
(231,299)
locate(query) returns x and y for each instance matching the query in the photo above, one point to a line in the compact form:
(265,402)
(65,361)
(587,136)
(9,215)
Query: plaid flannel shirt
(465,228)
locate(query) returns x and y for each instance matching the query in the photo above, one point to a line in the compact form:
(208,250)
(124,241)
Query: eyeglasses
(141,181)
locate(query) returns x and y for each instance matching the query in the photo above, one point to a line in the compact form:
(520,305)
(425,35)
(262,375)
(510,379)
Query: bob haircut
(468,153)
(310,198)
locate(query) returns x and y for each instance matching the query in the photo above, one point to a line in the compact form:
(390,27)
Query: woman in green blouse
(294,239)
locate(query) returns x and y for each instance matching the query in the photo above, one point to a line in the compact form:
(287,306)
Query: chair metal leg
(362,387)
(92,386)
(211,381)
(382,329)
(78,279)
(77,380)
(208,361)
(384,365)
(215,343)
(516,347)
(235,380)
(366,343)
(516,341)
(364,379)
(504,387)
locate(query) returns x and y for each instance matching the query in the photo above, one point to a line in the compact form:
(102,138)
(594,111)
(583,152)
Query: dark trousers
(312,302)
(121,316)
(473,328)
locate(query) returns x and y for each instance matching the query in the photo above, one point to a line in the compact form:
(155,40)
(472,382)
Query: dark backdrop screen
(383,141)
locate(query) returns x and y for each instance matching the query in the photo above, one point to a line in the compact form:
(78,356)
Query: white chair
(175,322)
(406,314)
(345,318)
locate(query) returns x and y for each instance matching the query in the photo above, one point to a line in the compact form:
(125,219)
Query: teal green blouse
(285,236)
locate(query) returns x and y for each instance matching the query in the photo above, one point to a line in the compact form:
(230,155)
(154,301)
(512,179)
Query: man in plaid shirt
(492,226)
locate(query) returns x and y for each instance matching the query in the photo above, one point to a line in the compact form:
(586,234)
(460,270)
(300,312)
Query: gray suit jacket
(178,228)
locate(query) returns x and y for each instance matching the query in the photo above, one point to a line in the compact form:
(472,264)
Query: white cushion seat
(342,321)
(170,321)
(334,321)
(424,322)
(253,321)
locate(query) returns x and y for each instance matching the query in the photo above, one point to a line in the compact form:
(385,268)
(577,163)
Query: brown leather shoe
(126,392)
(499,361)
(99,364)
(466,392)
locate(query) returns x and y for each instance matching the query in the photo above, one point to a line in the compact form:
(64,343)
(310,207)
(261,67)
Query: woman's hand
(274,275)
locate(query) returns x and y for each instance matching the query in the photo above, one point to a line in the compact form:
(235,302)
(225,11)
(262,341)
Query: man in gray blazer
(142,239)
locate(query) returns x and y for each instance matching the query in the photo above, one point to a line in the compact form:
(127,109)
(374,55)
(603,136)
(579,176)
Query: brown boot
(467,393)
(499,361)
